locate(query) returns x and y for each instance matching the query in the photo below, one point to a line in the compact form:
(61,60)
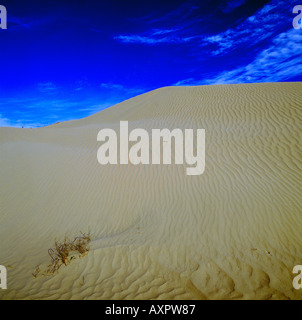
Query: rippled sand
(234,232)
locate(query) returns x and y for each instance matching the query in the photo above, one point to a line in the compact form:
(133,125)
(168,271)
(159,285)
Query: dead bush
(65,251)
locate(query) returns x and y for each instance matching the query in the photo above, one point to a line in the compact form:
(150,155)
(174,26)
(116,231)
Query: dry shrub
(64,252)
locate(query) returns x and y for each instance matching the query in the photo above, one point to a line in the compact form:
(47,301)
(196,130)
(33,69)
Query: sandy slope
(234,232)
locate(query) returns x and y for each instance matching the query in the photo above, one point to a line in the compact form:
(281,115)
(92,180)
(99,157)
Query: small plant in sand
(64,252)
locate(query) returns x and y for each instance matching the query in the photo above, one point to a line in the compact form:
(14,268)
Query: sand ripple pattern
(234,232)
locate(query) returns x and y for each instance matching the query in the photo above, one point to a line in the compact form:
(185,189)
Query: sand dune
(234,232)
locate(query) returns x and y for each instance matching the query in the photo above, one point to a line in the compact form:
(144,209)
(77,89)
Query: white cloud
(4,122)
(120,87)
(46,87)
(280,62)
(261,26)
(152,39)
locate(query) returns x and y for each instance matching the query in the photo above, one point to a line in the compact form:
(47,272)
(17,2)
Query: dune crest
(234,232)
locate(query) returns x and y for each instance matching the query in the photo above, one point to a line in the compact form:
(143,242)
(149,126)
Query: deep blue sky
(63,60)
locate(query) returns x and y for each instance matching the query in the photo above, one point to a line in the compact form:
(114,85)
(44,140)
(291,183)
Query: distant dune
(234,232)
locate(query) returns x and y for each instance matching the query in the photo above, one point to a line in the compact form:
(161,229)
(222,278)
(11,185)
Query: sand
(234,232)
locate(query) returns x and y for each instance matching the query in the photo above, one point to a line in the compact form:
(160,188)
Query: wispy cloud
(24,113)
(46,87)
(261,26)
(279,62)
(167,29)
(52,105)
(4,122)
(120,87)
(187,82)
(230,5)
(49,103)
(149,39)
(157,36)
(81,85)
